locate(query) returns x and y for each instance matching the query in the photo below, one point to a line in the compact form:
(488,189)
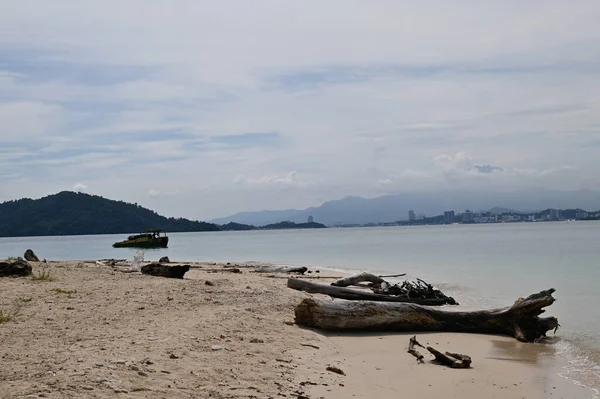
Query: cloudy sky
(206,108)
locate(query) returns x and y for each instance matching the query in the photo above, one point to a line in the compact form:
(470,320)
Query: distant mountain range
(390,208)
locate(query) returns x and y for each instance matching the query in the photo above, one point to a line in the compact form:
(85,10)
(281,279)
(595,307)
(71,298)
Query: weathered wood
(156,269)
(16,268)
(277,269)
(356,295)
(30,256)
(358,278)
(230,270)
(453,360)
(521,320)
(411,349)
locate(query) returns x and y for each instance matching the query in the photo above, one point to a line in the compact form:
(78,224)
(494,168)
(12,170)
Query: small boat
(147,239)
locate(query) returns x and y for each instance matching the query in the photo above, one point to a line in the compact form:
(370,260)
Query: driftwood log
(16,268)
(521,320)
(277,269)
(407,290)
(156,269)
(358,278)
(411,349)
(356,295)
(453,360)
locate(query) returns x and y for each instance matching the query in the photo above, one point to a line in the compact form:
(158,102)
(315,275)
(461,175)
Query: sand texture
(95,332)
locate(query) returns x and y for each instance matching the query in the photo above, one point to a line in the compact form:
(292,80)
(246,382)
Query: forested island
(71,213)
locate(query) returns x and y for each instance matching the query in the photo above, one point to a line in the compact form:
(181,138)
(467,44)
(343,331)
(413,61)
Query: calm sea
(480,265)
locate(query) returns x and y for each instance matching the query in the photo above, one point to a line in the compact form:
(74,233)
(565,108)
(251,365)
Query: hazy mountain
(356,210)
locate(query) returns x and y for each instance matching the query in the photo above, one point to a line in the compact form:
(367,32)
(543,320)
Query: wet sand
(95,332)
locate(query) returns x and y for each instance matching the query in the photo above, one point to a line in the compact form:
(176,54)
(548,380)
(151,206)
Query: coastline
(140,336)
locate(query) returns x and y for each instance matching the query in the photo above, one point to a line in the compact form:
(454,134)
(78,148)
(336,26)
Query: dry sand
(137,336)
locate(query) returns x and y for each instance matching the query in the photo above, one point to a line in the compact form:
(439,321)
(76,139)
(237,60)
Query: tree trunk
(348,293)
(520,320)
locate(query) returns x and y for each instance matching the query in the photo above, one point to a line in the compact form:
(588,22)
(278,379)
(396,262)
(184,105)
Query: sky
(202,109)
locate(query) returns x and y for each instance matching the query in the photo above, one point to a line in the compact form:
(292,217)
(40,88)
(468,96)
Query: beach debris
(210,283)
(217,347)
(409,290)
(30,256)
(110,262)
(311,346)
(164,259)
(336,370)
(156,269)
(257,341)
(136,264)
(411,349)
(356,295)
(138,260)
(224,270)
(358,278)
(280,269)
(452,360)
(15,268)
(173,356)
(521,320)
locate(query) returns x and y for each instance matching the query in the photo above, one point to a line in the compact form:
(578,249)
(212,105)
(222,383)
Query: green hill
(70,213)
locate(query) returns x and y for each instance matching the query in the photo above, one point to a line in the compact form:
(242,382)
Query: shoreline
(234,338)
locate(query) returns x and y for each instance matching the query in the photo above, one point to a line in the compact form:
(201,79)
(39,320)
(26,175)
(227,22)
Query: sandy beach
(94,332)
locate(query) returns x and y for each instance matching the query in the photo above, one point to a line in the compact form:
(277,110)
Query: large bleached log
(358,278)
(356,295)
(521,320)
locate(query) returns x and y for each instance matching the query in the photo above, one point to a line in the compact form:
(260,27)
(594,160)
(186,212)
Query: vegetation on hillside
(70,213)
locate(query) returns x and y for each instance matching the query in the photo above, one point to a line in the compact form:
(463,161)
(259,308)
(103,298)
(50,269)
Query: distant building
(449,217)
(555,214)
(412,216)
(581,215)
(467,217)
(311,219)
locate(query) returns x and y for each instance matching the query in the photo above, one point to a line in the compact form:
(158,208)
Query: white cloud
(285,179)
(79,187)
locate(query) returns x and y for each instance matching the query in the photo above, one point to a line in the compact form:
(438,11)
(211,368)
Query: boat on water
(147,239)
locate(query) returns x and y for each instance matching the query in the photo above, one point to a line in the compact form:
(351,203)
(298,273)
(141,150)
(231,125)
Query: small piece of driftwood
(411,349)
(453,360)
(277,269)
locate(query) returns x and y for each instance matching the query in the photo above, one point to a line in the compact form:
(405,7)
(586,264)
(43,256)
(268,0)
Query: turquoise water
(479,265)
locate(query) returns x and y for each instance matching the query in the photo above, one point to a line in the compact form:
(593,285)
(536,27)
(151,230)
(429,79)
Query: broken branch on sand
(277,269)
(521,320)
(453,360)
(350,294)
(411,349)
